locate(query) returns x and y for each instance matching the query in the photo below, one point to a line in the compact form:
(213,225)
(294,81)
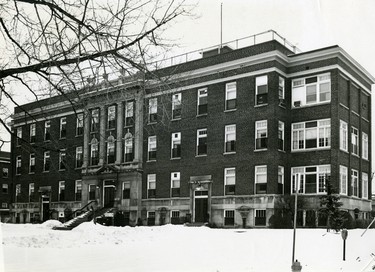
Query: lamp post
(296,266)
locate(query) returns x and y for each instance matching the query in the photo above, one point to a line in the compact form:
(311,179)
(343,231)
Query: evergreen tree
(330,207)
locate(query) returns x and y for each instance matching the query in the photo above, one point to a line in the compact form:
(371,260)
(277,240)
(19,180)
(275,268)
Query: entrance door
(109,196)
(201,206)
(45,208)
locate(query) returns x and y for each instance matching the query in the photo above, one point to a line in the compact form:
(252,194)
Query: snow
(90,247)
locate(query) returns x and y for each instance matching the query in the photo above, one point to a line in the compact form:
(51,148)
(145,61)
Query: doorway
(201,206)
(109,193)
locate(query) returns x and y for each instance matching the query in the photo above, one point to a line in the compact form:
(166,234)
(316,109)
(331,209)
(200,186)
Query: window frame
(79,157)
(128,147)
(46,161)
(321,176)
(61,190)
(62,160)
(201,135)
(202,108)
(47,131)
(230,92)
(19,136)
(280,181)
(152,110)
(281,136)
(303,129)
(151,147)
(343,136)
(79,124)
(230,145)
(32,133)
(18,165)
(257,174)
(365,152)
(151,190)
(78,193)
(354,182)
(94,120)
(177,106)
(31,191)
(63,127)
(175,178)
(126,190)
(261,142)
(111,117)
(32,163)
(129,113)
(364,185)
(354,141)
(261,98)
(230,181)
(111,150)
(343,180)
(176,139)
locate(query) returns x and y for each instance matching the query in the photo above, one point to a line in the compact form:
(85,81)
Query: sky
(308,24)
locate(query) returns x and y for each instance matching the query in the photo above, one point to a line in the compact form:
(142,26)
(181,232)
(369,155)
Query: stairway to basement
(84,217)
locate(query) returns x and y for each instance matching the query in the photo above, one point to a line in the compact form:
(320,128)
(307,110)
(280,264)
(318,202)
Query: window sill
(311,105)
(231,110)
(47,141)
(260,150)
(62,169)
(355,155)
(31,173)
(130,126)
(229,153)
(80,135)
(111,129)
(177,158)
(176,119)
(310,149)
(32,143)
(202,115)
(261,105)
(200,156)
(152,123)
(151,160)
(282,151)
(45,172)
(62,138)
(345,151)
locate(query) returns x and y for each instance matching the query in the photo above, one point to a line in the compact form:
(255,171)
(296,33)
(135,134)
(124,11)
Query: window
(32,133)
(78,190)
(364,185)
(79,124)
(79,157)
(4,189)
(364,146)
(94,152)
(354,183)
(151,185)
(312,179)
(18,165)
(312,134)
(260,217)
(92,191)
(4,205)
(129,155)
(152,110)
(94,127)
(175,217)
(111,117)
(202,102)
(32,163)
(111,156)
(46,161)
(311,90)
(261,140)
(230,96)
(18,190)
(280,180)
(19,136)
(61,190)
(129,113)
(175,184)
(281,135)
(261,90)
(354,141)
(176,145)
(229,217)
(202,142)
(62,127)
(31,192)
(230,139)
(152,148)
(230,180)
(282,90)
(126,190)
(176,106)
(62,159)
(47,130)
(343,136)
(343,180)
(5,172)
(150,218)
(261,179)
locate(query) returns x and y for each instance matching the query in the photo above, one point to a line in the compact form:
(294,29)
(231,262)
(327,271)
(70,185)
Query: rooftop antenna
(221,26)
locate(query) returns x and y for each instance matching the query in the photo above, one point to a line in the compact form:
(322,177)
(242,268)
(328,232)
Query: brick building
(5,183)
(223,141)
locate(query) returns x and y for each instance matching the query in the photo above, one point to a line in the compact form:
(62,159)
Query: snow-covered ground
(89,247)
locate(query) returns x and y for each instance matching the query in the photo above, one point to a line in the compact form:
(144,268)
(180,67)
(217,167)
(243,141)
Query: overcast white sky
(309,24)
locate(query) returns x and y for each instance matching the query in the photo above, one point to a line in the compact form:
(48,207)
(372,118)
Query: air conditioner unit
(297,104)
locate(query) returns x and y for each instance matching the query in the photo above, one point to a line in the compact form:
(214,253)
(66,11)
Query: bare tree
(60,46)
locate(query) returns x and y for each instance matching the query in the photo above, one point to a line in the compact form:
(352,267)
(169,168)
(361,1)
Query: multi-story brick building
(220,139)
(5,183)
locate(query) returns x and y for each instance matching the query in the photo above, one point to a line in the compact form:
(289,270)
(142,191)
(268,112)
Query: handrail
(81,209)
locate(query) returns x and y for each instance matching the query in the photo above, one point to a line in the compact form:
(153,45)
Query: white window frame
(281,88)
(343,180)
(62,125)
(280,176)
(229,177)
(175,140)
(111,116)
(152,146)
(18,165)
(260,175)
(281,135)
(364,146)
(201,133)
(261,81)
(343,135)
(78,184)
(354,183)
(19,136)
(300,133)
(364,185)
(94,120)
(125,185)
(46,156)
(79,154)
(32,162)
(175,177)
(354,141)
(79,124)
(321,172)
(129,111)
(261,132)
(230,135)
(176,103)
(62,159)
(202,93)
(230,94)
(61,188)
(299,90)
(31,189)
(32,133)
(152,108)
(47,128)
(151,183)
